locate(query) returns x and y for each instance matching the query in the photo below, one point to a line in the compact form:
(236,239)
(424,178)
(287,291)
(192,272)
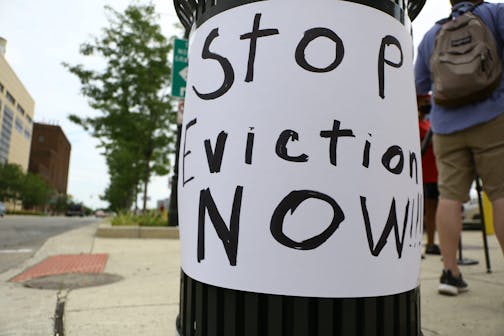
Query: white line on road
(16,251)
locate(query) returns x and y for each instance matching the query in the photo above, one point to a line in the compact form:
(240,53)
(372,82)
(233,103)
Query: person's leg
(430,219)
(498,219)
(487,143)
(456,173)
(431,195)
(449,226)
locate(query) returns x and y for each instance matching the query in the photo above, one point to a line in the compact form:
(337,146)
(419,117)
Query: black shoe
(432,249)
(450,285)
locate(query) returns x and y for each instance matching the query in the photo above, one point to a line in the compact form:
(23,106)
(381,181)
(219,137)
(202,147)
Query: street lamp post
(299,203)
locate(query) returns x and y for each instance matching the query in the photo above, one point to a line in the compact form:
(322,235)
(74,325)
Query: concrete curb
(105,230)
(26,311)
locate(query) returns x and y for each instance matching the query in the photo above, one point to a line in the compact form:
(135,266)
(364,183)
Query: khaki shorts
(461,156)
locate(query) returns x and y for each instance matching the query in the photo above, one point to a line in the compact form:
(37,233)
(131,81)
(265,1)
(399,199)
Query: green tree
(131,94)
(11,181)
(35,192)
(125,172)
(59,203)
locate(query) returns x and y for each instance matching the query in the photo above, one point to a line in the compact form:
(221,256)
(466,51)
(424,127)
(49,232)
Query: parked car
(100,214)
(75,210)
(2,209)
(471,211)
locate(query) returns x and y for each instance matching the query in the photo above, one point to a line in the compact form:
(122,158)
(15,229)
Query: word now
(230,236)
(300,56)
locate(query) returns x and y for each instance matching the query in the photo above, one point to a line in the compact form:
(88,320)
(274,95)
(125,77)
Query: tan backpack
(465,65)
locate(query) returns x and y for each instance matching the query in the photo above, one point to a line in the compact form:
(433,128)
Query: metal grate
(213,311)
(414,8)
(198,11)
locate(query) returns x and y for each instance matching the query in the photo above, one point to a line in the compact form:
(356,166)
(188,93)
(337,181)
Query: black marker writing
(390,154)
(413,163)
(229,237)
(186,153)
(289,204)
(386,41)
(281,146)
(253,36)
(393,159)
(214,158)
(412,219)
(391,224)
(311,35)
(226,67)
(365,155)
(300,55)
(334,134)
(418,212)
(250,146)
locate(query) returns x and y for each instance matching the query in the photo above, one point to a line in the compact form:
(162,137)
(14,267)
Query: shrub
(150,218)
(123,218)
(26,212)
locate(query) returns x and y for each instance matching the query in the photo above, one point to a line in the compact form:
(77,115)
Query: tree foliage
(35,192)
(29,188)
(136,126)
(59,203)
(125,172)
(11,181)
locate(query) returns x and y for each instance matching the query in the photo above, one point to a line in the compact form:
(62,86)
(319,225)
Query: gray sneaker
(450,285)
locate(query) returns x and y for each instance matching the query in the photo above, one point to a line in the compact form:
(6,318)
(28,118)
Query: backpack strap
(470,9)
(492,16)
(443,21)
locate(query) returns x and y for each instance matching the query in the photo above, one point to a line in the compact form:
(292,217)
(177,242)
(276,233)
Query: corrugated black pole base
(213,311)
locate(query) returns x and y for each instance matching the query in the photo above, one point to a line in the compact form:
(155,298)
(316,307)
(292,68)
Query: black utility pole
(173,206)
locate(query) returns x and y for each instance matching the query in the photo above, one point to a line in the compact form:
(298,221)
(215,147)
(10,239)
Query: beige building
(17,108)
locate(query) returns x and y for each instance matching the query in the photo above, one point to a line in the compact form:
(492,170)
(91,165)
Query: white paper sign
(300,166)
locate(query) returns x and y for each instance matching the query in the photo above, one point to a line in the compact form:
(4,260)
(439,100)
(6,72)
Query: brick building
(50,155)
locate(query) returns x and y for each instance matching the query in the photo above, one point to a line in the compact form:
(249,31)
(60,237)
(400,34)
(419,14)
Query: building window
(20,109)
(5,133)
(8,112)
(1,87)
(30,121)
(27,133)
(19,125)
(10,98)
(41,138)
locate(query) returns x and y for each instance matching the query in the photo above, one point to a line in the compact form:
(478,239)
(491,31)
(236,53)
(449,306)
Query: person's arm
(422,70)
(499,21)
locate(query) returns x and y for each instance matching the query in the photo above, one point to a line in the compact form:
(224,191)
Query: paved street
(22,236)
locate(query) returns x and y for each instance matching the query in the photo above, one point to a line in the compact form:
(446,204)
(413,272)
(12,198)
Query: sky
(42,34)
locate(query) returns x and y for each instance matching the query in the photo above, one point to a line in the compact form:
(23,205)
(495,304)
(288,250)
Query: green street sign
(179,71)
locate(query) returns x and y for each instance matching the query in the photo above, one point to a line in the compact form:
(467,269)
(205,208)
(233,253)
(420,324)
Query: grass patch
(150,218)
(26,212)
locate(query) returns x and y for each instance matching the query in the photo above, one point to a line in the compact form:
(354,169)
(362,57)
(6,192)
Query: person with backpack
(460,60)
(429,175)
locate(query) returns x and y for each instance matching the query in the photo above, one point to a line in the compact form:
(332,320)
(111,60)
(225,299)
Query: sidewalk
(479,312)
(145,302)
